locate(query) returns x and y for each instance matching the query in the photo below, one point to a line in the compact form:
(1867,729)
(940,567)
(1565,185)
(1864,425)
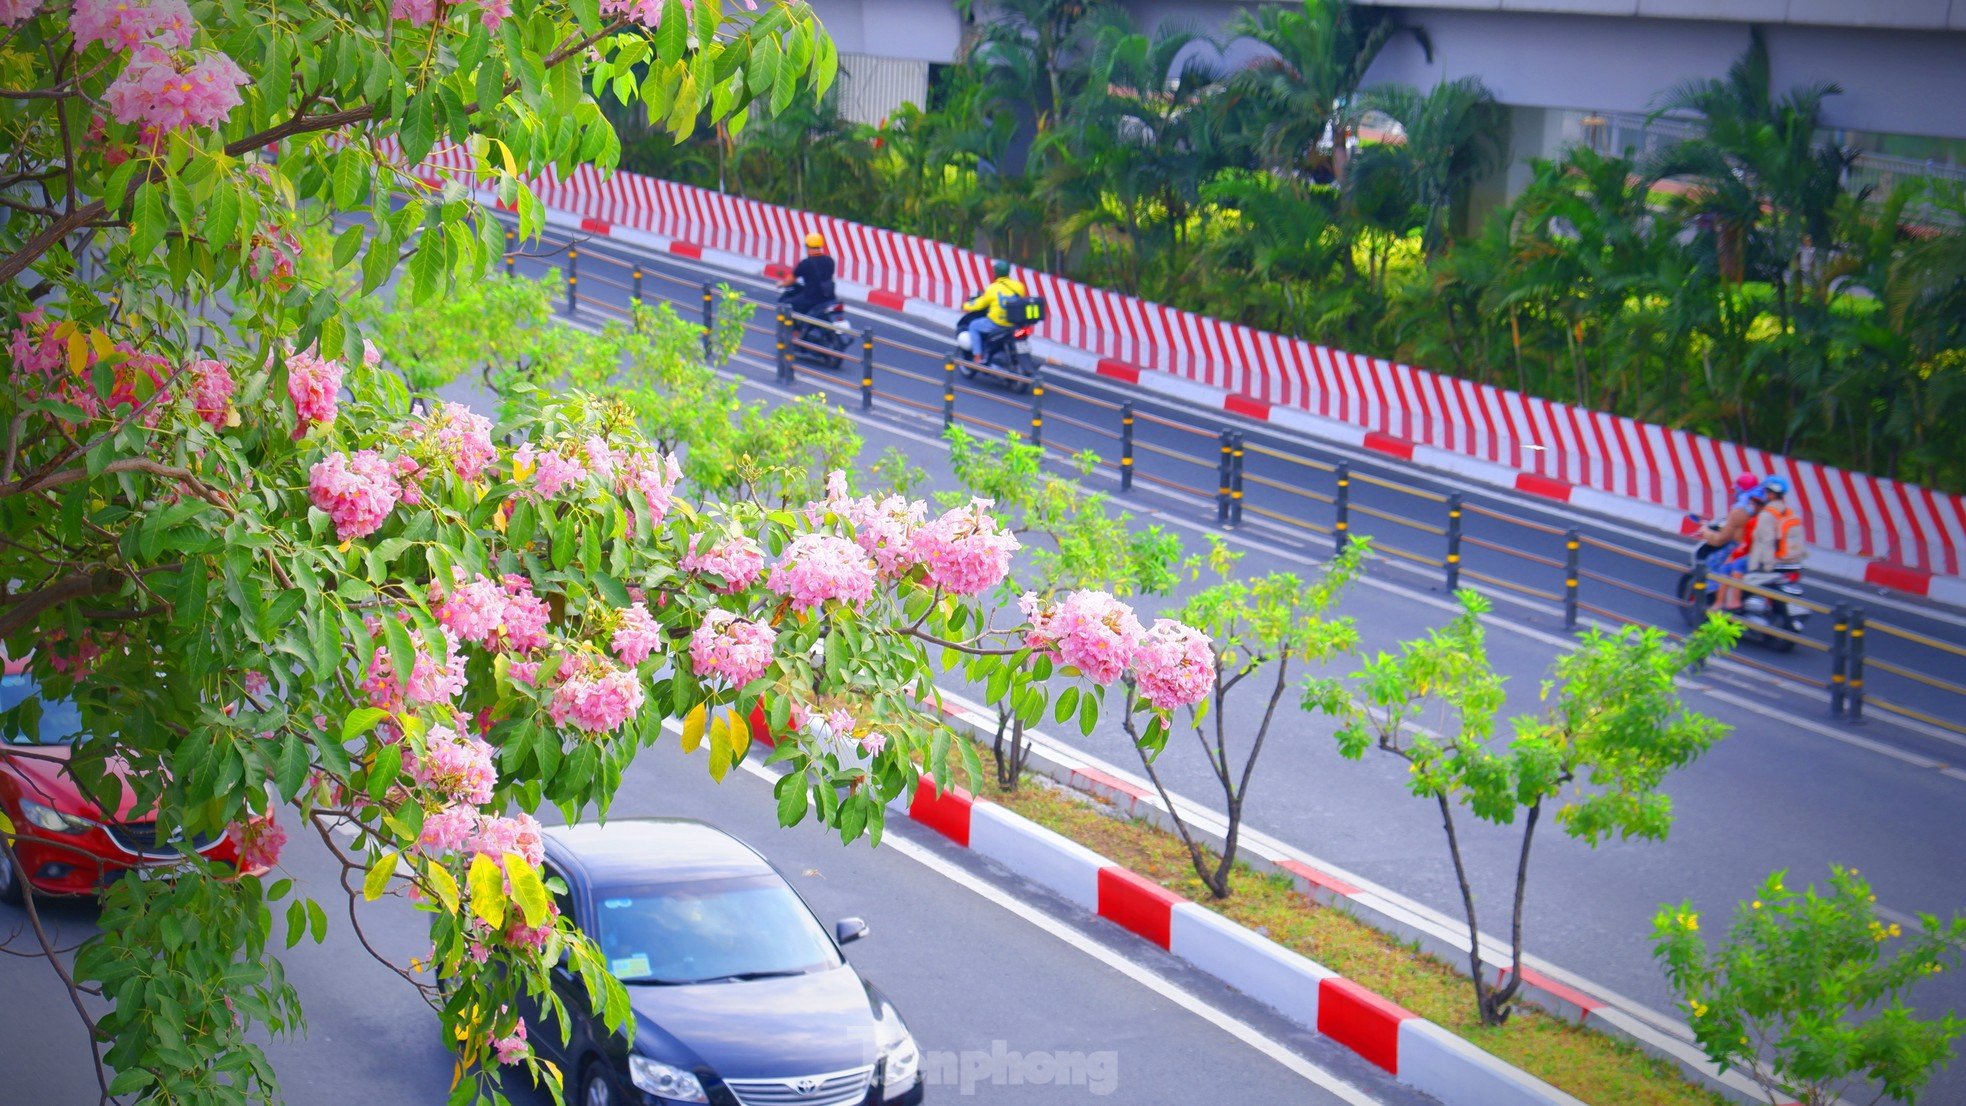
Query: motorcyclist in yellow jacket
(994,318)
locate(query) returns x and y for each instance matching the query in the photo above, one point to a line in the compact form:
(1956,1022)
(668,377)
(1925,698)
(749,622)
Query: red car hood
(43,772)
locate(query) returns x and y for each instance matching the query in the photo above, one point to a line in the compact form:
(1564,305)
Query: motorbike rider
(811,286)
(1774,537)
(1725,549)
(990,302)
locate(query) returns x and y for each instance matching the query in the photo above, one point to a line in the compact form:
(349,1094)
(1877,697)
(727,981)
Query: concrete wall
(1895,82)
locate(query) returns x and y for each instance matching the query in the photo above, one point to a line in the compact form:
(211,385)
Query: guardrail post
(1037,407)
(1341,503)
(1453,542)
(1696,594)
(511,258)
(1222,483)
(867,369)
(1235,480)
(948,393)
(1839,659)
(1126,446)
(635,296)
(573,275)
(1856,681)
(709,322)
(1572,541)
(784,353)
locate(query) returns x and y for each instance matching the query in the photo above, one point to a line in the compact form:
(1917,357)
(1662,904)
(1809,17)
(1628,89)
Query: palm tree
(1767,190)
(1321,53)
(1453,138)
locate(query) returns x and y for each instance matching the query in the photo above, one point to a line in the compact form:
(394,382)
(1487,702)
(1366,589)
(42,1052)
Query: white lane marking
(1152,980)
(1833,734)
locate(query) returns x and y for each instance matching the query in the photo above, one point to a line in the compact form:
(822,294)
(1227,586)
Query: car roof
(652,850)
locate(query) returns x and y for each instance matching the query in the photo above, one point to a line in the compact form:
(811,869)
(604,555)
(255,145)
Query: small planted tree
(1814,983)
(1258,628)
(1614,727)
(1079,545)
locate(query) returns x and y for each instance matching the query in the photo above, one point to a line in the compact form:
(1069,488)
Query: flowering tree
(1076,544)
(281,601)
(1240,627)
(1816,982)
(1614,727)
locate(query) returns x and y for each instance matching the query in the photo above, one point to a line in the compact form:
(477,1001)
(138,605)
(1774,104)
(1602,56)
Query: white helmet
(964,340)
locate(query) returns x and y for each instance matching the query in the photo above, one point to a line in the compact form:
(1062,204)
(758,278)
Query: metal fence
(1211,462)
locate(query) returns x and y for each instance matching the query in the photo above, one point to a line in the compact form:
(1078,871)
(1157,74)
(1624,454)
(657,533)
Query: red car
(65,844)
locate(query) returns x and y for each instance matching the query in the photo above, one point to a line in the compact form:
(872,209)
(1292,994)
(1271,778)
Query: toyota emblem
(806,1086)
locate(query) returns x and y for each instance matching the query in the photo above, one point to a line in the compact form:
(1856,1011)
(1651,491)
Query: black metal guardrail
(1224,449)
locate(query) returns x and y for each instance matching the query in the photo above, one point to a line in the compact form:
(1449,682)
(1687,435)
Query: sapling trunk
(1482,994)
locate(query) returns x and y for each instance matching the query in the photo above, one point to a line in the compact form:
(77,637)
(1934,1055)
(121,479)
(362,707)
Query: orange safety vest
(1788,534)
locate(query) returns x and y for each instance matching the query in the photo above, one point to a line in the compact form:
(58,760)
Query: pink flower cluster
(636,635)
(125,24)
(159,89)
(886,529)
(1174,665)
(212,388)
(461,829)
(737,559)
(429,682)
(819,567)
(595,695)
(496,614)
(511,1049)
(655,476)
(41,361)
(737,649)
(526,616)
(551,471)
(1089,630)
(257,841)
(17,11)
(357,492)
(458,437)
(314,384)
(965,551)
(273,258)
(456,766)
(425,12)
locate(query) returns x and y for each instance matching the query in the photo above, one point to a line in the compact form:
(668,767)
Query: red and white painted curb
(1301,989)
(1415,1051)
(1829,562)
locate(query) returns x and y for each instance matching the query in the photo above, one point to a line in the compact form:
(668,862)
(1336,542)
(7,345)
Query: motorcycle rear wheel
(1692,612)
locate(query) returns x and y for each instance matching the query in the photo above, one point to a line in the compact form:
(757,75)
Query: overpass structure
(1568,70)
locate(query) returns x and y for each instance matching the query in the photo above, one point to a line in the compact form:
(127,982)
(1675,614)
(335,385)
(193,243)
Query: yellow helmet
(815,241)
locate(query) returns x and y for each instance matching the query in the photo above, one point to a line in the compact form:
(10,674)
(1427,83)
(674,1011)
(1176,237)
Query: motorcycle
(819,332)
(1774,611)
(1008,351)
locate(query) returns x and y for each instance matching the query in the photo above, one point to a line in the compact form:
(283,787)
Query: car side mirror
(848,930)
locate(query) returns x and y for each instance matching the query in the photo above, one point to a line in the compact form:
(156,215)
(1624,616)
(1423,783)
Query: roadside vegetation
(1731,284)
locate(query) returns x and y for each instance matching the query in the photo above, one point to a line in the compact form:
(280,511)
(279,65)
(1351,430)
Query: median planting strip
(1040,841)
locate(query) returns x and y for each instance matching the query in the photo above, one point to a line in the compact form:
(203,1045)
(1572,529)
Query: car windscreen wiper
(745,977)
(655,981)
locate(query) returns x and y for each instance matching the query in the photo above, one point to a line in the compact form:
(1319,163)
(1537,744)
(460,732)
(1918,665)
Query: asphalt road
(975,981)
(1791,788)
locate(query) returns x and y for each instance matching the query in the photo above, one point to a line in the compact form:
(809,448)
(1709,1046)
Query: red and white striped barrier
(1558,451)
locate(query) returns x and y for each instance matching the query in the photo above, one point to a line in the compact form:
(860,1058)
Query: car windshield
(718,930)
(59,719)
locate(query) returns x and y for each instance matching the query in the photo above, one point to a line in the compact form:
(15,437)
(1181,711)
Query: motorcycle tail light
(1795,577)
(1023,332)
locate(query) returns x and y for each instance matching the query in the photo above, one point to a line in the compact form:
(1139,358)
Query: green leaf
(317,921)
(527,890)
(791,799)
(377,881)
(672,34)
(296,922)
(402,651)
(384,772)
(347,245)
(418,130)
(149,221)
(290,772)
(1088,714)
(487,884)
(1068,700)
(351,177)
(378,262)
(427,268)
(360,721)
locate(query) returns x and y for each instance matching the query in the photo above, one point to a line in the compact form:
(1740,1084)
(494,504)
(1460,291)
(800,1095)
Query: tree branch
(79,585)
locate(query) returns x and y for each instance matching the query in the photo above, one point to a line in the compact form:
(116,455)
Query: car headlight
(664,1081)
(901,1062)
(52,820)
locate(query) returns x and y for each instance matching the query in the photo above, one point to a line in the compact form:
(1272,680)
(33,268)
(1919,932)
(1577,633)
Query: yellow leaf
(444,886)
(505,152)
(99,341)
(527,889)
(377,880)
(693,727)
(487,891)
(78,355)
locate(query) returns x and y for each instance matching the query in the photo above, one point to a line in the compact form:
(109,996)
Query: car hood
(796,1025)
(43,772)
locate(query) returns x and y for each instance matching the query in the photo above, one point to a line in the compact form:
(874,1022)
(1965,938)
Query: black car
(741,996)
